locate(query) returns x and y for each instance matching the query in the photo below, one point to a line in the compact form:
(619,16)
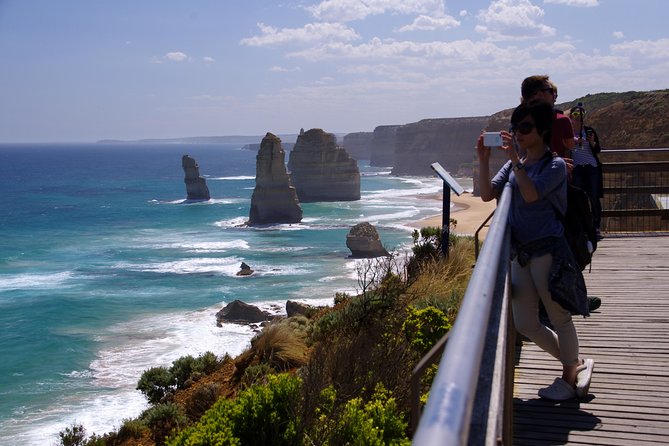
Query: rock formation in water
(244,270)
(274,199)
(382,146)
(364,242)
(359,145)
(322,171)
(240,313)
(196,186)
(448,141)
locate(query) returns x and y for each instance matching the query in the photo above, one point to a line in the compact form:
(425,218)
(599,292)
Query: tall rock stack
(321,171)
(196,186)
(274,200)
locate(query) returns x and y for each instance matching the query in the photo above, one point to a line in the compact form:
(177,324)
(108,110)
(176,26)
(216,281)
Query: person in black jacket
(587,172)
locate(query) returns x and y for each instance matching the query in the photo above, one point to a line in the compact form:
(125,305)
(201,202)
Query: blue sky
(83,70)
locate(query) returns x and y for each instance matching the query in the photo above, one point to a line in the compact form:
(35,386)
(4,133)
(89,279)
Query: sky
(85,70)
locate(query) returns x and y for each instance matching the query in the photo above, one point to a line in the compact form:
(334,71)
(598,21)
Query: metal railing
(471,395)
(636,197)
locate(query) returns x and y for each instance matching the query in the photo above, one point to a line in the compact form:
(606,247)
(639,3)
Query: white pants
(529,284)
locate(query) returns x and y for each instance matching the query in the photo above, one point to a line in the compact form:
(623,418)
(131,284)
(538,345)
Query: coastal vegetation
(338,377)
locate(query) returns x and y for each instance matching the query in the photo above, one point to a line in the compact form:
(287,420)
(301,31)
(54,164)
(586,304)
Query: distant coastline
(231,139)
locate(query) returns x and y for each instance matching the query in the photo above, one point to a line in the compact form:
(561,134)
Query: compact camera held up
(492,139)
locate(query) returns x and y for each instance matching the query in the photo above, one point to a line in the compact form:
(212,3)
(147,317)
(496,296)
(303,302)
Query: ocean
(106,270)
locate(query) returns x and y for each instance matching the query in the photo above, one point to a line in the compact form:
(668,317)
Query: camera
(492,139)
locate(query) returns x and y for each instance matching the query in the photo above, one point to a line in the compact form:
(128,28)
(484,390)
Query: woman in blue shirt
(539,190)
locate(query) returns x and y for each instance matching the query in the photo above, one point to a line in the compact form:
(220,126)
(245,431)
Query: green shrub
(182,370)
(375,423)
(424,327)
(163,419)
(261,415)
(208,363)
(202,399)
(256,374)
(214,428)
(131,428)
(156,383)
(74,435)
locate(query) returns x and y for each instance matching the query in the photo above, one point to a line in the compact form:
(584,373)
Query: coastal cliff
(274,199)
(382,146)
(359,145)
(449,141)
(322,171)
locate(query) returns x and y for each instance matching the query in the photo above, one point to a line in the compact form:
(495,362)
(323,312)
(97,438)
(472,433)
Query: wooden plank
(628,337)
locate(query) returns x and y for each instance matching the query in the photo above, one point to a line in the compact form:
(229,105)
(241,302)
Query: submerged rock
(274,199)
(196,185)
(364,242)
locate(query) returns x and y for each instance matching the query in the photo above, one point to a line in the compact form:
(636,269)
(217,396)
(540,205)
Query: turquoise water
(106,271)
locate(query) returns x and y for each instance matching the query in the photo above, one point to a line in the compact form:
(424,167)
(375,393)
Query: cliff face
(196,186)
(274,200)
(358,145)
(449,141)
(382,146)
(321,171)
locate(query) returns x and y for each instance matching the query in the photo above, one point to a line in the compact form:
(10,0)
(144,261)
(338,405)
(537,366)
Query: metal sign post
(449,185)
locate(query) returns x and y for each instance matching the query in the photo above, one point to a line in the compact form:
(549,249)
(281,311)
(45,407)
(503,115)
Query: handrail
(448,413)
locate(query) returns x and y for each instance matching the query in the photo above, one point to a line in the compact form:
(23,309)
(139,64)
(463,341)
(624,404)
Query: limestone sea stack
(322,171)
(274,199)
(364,242)
(196,186)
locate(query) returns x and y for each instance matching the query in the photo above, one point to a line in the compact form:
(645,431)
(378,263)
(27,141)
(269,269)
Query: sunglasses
(524,128)
(577,114)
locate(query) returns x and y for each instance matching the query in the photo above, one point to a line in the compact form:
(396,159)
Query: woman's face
(526,133)
(576,119)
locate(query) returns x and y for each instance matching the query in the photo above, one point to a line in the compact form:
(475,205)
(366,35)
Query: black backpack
(579,225)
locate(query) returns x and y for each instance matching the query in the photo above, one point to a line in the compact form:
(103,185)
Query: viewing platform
(628,337)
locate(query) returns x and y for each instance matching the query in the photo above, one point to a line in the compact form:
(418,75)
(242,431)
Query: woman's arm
(488,192)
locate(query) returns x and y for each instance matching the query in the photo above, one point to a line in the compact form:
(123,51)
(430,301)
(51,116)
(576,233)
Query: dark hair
(541,113)
(532,84)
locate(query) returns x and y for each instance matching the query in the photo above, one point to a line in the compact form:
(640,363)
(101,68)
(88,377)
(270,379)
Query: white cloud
(176,56)
(581,3)
(651,49)
(513,20)
(428,23)
(347,10)
(554,47)
(207,59)
(618,34)
(461,51)
(278,69)
(463,13)
(309,33)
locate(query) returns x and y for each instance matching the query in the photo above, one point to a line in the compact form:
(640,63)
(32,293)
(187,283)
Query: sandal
(560,390)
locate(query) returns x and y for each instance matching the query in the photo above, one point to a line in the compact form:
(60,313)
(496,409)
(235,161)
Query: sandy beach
(469,212)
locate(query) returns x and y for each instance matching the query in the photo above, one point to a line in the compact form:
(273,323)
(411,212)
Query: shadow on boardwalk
(628,337)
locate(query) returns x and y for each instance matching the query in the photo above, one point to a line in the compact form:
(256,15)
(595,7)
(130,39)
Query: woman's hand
(508,147)
(482,151)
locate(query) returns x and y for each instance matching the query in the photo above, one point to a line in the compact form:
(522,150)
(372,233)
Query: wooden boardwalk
(628,337)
